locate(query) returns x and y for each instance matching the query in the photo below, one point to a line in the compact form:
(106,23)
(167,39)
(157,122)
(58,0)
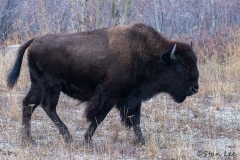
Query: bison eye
(180,68)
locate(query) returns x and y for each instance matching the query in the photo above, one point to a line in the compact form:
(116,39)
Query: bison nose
(195,89)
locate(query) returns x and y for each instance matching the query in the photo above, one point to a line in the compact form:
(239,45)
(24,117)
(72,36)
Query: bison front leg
(97,109)
(130,115)
(136,124)
(99,117)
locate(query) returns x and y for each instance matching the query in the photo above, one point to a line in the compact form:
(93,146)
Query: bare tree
(7,19)
(114,13)
(84,14)
(156,13)
(99,13)
(80,10)
(125,15)
(172,17)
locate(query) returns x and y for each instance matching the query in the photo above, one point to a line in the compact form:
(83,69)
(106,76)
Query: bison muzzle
(119,66)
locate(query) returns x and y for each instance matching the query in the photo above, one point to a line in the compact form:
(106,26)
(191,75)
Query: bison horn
(172,56)
(191,45)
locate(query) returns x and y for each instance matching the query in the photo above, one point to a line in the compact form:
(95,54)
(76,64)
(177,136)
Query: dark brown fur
(121,66)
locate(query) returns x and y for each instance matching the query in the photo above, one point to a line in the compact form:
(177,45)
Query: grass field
(205,126)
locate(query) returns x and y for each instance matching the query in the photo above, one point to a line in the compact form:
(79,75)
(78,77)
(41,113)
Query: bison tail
(14,73)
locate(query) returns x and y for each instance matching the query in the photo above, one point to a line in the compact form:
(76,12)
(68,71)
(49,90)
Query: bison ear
(166,58)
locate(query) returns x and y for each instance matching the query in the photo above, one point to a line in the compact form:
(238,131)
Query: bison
(120,66)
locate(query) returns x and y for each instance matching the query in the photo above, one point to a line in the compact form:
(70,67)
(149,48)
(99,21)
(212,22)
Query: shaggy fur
(122,66)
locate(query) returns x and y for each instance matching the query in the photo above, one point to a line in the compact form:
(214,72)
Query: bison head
(180,74)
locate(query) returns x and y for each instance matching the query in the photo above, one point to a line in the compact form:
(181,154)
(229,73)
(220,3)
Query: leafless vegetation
(208,121)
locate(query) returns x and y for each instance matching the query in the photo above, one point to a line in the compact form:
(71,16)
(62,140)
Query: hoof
(88,143)
(67,138)
(28,141)
(140,140)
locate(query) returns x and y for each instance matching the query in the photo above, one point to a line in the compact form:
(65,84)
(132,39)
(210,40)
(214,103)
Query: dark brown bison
(119,66)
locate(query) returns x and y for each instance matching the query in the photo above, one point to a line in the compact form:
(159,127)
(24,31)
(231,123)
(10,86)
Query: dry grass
(207,121)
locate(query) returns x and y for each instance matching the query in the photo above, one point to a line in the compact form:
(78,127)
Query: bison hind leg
(49,103)
(29,104)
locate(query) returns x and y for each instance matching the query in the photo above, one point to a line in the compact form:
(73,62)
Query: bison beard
(119,66)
